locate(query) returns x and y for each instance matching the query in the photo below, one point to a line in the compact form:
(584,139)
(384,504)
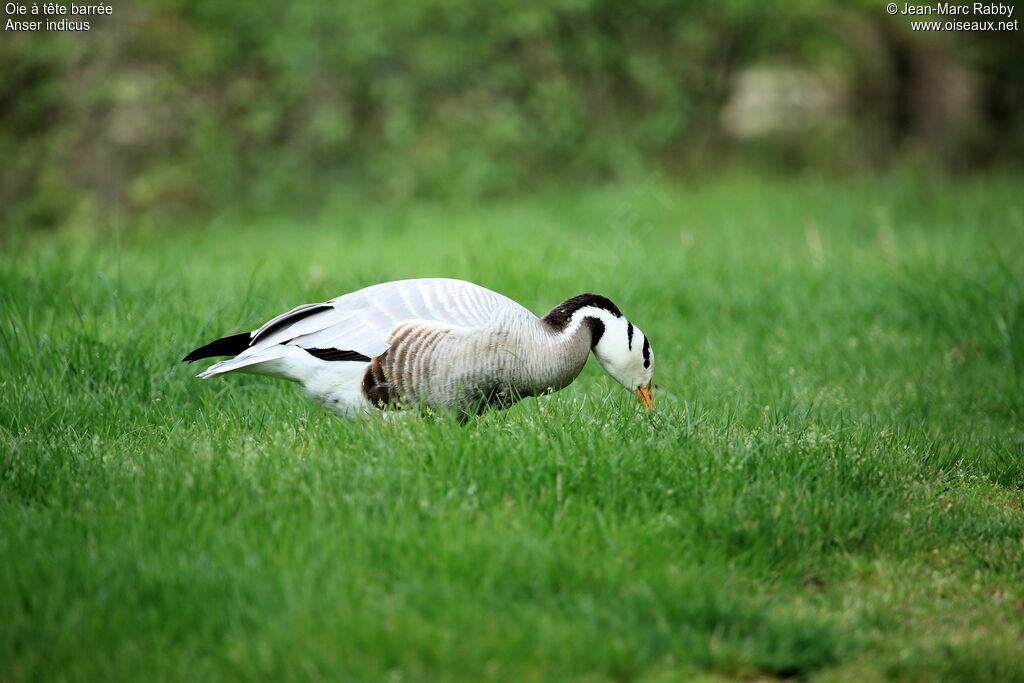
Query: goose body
(437,343)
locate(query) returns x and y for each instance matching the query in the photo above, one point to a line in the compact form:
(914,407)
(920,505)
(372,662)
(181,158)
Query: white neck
(606,318)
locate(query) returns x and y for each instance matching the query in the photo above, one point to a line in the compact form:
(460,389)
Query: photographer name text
(951,9)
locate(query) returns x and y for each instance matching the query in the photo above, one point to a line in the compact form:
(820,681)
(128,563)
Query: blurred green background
(169,110)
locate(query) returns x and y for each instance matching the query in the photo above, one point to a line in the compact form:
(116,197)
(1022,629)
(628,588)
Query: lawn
(831,487)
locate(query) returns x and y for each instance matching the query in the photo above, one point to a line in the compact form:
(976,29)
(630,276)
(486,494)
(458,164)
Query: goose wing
(362,321)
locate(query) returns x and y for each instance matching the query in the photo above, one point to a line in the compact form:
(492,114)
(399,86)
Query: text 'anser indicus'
(436,343)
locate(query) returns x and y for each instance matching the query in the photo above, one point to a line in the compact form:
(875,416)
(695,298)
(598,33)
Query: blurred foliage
(177,106)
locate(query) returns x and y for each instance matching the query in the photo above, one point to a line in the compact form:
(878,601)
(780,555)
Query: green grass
(832,486)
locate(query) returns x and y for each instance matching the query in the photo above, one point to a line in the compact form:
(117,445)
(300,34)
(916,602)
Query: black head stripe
(647,353)
(596,331)
(629,335)
(560,315)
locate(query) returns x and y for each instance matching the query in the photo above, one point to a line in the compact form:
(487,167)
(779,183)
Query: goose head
(620,347)
(625,353)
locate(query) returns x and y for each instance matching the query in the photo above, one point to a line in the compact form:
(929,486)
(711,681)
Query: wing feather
(361,321)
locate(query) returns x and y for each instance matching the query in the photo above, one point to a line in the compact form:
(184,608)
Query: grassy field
(832,486)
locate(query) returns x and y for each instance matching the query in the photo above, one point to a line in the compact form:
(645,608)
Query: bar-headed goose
(437,343)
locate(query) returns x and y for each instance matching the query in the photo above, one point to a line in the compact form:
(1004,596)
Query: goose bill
(645,396)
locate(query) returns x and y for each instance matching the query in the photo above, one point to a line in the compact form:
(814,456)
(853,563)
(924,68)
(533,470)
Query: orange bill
(645,396)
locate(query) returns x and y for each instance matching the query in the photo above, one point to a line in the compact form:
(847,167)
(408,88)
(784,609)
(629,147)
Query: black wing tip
(337,355)
(231,345)
(291,318)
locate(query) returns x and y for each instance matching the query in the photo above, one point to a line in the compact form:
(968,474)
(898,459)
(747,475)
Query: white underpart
(339,388)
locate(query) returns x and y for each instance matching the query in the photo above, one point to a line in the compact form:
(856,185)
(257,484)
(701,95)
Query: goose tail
(233,345)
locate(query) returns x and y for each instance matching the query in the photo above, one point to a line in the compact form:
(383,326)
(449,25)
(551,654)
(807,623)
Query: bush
(178,106)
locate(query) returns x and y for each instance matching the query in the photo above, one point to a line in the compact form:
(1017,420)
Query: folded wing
(362,321)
